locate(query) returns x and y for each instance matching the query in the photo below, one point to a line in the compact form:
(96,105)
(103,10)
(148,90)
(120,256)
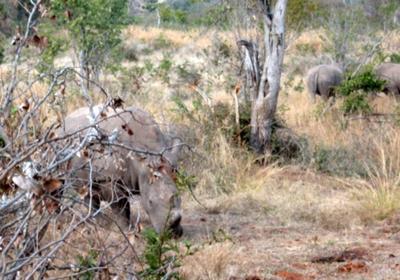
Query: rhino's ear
(172,155)
(176,145)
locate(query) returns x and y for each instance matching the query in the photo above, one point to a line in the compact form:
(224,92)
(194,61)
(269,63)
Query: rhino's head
(160,198)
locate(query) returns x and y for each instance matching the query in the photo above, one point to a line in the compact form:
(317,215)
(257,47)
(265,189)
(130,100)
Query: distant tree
(266,81)
(301,12)
(94,27)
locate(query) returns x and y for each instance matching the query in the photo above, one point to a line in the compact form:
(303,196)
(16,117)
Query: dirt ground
(234,243)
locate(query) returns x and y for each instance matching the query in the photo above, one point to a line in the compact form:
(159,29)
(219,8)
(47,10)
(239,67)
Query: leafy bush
(299,12)
(87,264)
(336,161)
(164,68)
(160,256)
(216,15)
(171,15)
(220,50)
(366,81)
(356,88)
(161,42)
(94,27)
(56,45)
(130,53)
(394,58)
(286,145)
(184,181)
(188,74)
(356,102)
(224,117)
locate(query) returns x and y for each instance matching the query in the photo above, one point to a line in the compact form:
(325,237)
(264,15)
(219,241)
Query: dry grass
(379,193)
(315,39)
(200,39)
(211,263)
(391,43)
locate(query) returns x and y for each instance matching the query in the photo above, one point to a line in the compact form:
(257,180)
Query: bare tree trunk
(158,18)
(264,105)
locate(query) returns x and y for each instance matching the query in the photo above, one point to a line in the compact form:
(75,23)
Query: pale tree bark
(264,104)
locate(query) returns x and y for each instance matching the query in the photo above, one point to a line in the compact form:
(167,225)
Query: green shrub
(56,46)
(356,88)
(299,12)
(219,51)
(188,74)
(160,255)
(170,15)
(394,58)
(336,161)
(94,27)
(356,102)
(366,81)
(130,53)
(216,15)
(87,264)
(164,68)
(287,147)
(184,181)
(161,42)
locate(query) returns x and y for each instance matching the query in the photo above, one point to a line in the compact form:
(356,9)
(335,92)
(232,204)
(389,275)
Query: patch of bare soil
(247,247)
(234,244)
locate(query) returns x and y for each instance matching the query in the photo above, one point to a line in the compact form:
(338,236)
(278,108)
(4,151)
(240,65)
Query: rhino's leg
(397,92)
(93,201)
(312,96)
(324,91)
(120,203)
(122,209)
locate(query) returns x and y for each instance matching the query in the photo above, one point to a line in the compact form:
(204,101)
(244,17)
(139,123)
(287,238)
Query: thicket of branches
(40,222)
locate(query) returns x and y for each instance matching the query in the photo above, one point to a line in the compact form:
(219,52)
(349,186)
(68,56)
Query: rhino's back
(389,72)
(322,77)
(329,74)
(132,126)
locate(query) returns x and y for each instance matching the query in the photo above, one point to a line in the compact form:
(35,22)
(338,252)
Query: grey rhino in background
(117,171)
(389,72)
(396,17)
(322,79)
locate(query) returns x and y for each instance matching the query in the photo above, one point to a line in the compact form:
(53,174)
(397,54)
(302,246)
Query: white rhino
(396,17)
(322,79)
(139,159)
(389,72)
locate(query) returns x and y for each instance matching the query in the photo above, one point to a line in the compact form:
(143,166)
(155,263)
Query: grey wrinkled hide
(117,171)
(390,72)
(396,17)
(322,79)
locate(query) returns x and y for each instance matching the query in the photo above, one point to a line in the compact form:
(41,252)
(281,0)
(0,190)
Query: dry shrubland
(243,218)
